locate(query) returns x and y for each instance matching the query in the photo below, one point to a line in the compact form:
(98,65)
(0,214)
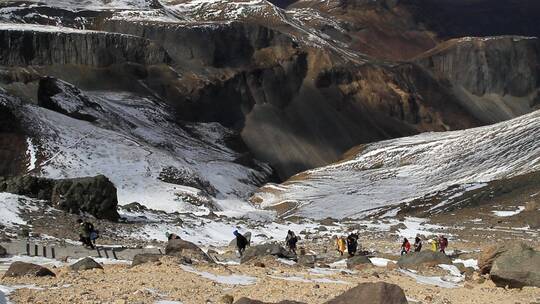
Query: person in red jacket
(405,247)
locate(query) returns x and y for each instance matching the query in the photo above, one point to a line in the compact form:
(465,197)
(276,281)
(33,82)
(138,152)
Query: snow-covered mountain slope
(150,158)
(400,170)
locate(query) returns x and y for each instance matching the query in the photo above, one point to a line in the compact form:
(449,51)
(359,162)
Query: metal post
(27,248)
(36,253)
(44,251)
(53,253)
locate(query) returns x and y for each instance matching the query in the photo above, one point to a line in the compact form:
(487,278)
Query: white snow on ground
(467,263)
(40,28)
(10,206)
(31,154)
(436,281)
(131,143)
(77,5)
(381,262)
(454,271)
(509,213)
(417,226)
(400,170)
(304,280)
(227,280)
(286,262)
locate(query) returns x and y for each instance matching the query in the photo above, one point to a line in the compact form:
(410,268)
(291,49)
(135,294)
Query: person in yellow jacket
(341,245)
(434,245)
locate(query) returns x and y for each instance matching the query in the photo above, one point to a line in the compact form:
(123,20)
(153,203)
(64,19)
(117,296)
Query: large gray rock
(489,254)
(423,258)
(358,260)
(307,260)
(517,267)
(60,96)
(21,269)
(250,301)
(272,249)
(372,293)
(94,195)
(86,264)
(184,249)
(146,258)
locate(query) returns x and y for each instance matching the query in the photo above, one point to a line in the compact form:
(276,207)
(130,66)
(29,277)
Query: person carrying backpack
(443,243)
(405,247)
(85,230)
(352,244)
(341,245)
(291,241)
(241,242)
(417,244)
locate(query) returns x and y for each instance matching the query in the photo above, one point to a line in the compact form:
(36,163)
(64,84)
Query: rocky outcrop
(497,78)
(94,195)
(423,258)
(184,249)
(145,258)
(373,293)
(32,45)
(358,261)
(488,256)
(271,249)
(13,142)
(516,267)
(85,264)
(21,269)
(60,96)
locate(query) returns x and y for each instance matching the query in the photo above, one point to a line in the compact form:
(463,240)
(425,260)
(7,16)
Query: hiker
(291,241)
(352,244)
(417,244)
(85,229)
(341,244)
(172,236)
(443,243)
(434,245)
(405,247)
(241,242)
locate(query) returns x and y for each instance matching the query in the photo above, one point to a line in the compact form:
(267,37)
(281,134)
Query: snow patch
(227,280)
(509,213)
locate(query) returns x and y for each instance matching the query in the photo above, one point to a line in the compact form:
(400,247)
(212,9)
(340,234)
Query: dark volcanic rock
(517,267)
(184,249)
(62,97)
(146,258)
(273,249)
(358,260)
(76,47)
(31,186)
(423,258)
(21,269)
(95,195)
(372,293)
(86,264)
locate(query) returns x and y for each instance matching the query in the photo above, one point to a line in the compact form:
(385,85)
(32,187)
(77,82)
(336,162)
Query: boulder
(272,249)
(423,258)
(85,264)
(184,249)
(145,258)
(358,260)
(60,96)
(517,267)
(488,256)
(3,251)
(21,269)
(250,301)
(307,260)
(94,195)
(372,293)
(31,186)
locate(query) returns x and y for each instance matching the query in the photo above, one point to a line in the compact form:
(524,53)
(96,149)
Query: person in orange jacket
(341,245)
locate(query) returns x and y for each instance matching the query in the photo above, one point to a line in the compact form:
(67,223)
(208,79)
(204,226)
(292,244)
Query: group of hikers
(349,244)
(437,244)
(87,234)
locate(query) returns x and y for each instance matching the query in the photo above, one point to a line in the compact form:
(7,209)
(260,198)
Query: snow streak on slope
(395,171)
(131,143)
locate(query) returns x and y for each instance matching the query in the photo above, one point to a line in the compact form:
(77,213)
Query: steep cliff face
(13,141)
(44,45)
(497,78)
